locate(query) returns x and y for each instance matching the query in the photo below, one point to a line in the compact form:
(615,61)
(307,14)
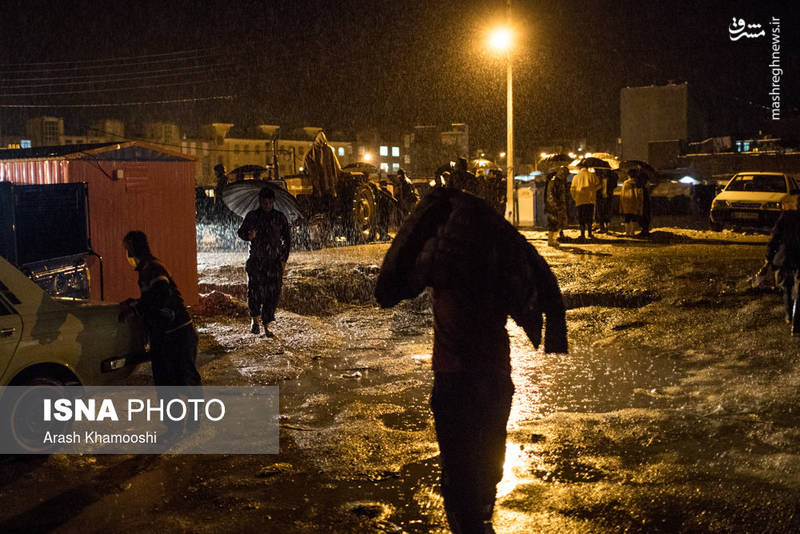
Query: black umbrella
(594,163)
(553,162)
(637,164)
(240,172)
(648,170)
(242,198)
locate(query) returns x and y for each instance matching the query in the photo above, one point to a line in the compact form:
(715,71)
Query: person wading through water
(481,270)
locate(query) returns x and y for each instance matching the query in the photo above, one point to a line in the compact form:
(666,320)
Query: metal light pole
(500,40)
(512,211)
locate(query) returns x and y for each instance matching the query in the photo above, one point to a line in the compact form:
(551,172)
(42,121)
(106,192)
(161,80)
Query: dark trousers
(585,216)
(644,218)
(173,357)
(264,278)
(789,280)
(470,412)
(604,210)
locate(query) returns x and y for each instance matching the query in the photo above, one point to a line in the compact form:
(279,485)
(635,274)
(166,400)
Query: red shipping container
(132,186)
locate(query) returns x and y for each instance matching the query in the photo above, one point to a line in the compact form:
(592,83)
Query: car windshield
(762,183)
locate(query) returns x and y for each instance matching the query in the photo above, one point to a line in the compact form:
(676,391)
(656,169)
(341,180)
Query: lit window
(395,166)
(341,151)
(395,151)
(385,167)
(384,151)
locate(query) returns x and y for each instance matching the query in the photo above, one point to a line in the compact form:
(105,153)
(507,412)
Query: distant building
(656,113)
(389,154)
(45,131)
(216,146)
(430,147)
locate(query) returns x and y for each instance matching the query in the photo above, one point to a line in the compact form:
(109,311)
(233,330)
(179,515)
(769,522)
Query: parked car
(753,199)
(46,340)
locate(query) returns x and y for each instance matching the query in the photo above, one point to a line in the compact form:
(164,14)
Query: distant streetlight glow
(367,157)
(500,39)
(502,154)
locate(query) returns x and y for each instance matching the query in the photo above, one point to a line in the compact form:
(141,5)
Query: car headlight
(772,205)
(720,204)
(112,364)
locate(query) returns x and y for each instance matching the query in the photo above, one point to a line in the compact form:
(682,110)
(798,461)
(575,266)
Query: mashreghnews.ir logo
(738,29)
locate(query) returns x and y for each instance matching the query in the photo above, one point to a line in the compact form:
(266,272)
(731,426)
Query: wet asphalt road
(676,409)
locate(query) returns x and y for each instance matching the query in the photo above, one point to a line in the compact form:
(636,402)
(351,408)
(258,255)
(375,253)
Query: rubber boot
(254,325)
(796,318)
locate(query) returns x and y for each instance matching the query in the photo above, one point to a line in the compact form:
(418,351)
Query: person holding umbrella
(267,230)
(555,205)
(631,201)
(584,191)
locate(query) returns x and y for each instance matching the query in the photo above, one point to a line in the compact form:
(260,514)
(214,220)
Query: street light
(500,40)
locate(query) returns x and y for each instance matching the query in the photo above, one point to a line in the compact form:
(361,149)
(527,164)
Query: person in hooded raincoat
(555,205)
(481,270)
(323,169)
(173,340)
(785,240)
(584,191)
(631,202)
(407,196)
(268,232)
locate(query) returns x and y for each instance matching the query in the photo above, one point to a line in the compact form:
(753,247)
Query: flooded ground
(675,410)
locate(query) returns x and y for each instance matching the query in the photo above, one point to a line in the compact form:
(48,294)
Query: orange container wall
(36,172)
(156,197)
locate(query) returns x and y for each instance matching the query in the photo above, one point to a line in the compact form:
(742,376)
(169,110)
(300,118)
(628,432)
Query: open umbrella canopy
(553,162)
(640,165)
(246,171)
(593,162)
(612,161)
(242,198)
(636,164)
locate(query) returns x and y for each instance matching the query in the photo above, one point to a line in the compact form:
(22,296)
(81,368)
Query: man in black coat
(786,239)
(481,270)
(173,340)
(267,230)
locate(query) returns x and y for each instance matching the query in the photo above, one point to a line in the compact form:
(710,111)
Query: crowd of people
(592,191)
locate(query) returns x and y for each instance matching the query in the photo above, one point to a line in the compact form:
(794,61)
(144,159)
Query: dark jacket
(160,304)
(481,270)
(786,233)
(273,239)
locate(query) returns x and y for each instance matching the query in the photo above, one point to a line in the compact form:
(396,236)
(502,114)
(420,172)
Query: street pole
(512,214)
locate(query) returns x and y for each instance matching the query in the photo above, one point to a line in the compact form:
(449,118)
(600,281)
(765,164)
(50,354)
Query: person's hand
(252,234)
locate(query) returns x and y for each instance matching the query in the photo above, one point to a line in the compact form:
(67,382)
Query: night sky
(346,65)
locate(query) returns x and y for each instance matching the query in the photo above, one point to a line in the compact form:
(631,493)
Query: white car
(753,199)
(45,340)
